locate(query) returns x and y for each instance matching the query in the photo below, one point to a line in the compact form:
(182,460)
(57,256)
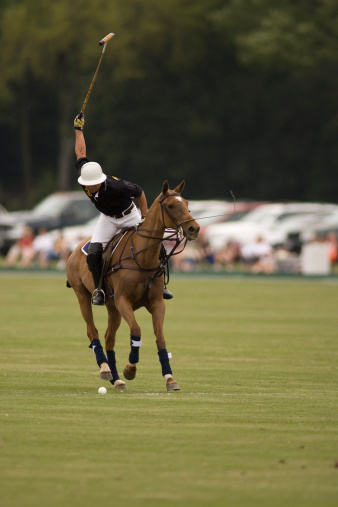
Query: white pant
(107,227)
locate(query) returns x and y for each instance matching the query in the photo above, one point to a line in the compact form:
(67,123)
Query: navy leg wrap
(164,360)
(112,365)
(135,343)
(98,351)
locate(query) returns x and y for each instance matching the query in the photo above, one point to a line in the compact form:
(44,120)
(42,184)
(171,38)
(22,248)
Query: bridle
(165,210)
(176,236)
(179,225)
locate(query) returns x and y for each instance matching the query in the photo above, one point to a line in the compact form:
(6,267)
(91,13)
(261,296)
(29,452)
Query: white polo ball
(102,390)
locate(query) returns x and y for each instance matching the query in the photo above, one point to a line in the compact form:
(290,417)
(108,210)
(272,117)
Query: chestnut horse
(135,279)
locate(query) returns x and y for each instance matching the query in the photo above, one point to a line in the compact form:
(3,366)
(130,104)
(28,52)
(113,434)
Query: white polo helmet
(91,174)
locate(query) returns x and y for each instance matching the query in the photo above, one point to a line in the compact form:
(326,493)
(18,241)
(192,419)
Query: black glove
(79,121)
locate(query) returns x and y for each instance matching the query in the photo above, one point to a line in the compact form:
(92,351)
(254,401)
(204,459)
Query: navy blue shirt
(115,195)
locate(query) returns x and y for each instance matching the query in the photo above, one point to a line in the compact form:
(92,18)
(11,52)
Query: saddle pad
(85,247)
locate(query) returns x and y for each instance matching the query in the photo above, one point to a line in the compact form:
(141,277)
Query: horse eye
(170,206)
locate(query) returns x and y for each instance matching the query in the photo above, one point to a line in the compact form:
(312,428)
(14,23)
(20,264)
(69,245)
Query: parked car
(56,211)
(274,222)
(323,228)
(76,233)
(7,222)
(214,211)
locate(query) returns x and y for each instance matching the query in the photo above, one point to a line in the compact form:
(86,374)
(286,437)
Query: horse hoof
(119,384)
(105,372)
(129,372)
(172,385)
(106,375)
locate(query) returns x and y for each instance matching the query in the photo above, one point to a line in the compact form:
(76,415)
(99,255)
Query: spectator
(332,242)
(227,256)
(22,252)
(43,246)
(186,260)
(259,256)
(206,254)
(195,256)
(61,251)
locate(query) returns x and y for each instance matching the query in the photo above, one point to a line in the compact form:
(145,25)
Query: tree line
(230,95)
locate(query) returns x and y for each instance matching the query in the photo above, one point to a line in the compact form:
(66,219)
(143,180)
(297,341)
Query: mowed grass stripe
(254,424)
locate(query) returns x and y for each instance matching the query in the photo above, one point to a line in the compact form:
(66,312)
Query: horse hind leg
(84,298)
(114,320)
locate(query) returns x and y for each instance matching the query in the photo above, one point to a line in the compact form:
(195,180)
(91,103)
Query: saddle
(108,252)
(112,245)
(106,256)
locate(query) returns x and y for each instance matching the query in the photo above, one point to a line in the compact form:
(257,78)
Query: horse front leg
(84,299)
(158,312)
(114,321)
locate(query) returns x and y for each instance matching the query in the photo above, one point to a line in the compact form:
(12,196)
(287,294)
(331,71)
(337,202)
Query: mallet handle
(106,38)
(92,83)
(102,43)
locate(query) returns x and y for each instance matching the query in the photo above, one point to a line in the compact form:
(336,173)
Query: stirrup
(167,294)
(98,297)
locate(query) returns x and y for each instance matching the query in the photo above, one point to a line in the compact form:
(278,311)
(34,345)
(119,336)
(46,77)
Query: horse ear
(180,187)
(165,187)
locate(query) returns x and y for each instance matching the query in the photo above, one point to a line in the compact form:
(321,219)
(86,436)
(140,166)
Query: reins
(215,216)
(174,236)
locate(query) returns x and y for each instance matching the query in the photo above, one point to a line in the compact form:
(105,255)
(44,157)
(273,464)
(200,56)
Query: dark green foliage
(230,95)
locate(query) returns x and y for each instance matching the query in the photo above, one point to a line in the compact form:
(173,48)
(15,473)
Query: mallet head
(106,38)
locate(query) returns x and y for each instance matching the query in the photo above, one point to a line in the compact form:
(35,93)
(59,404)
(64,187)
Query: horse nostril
(193,229)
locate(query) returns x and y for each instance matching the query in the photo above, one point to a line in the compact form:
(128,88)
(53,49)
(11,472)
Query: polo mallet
(103,43)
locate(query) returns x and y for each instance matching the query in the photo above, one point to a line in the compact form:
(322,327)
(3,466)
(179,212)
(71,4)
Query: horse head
(175,212)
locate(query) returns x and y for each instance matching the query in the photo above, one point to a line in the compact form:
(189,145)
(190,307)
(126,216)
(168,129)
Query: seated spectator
(43,245)
(22,252)
(206,254)
(186,260)
(259,256)
(227,256)
(61,251)
(332,241)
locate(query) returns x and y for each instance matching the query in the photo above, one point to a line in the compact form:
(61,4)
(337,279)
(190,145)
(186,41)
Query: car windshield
(267,214)
(303,215)
(53,205)
(260,214)
(234,217)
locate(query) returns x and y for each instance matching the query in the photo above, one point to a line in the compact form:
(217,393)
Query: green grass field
(255,422)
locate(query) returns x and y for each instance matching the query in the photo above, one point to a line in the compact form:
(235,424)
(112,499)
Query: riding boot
(94,261)
(163,258)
